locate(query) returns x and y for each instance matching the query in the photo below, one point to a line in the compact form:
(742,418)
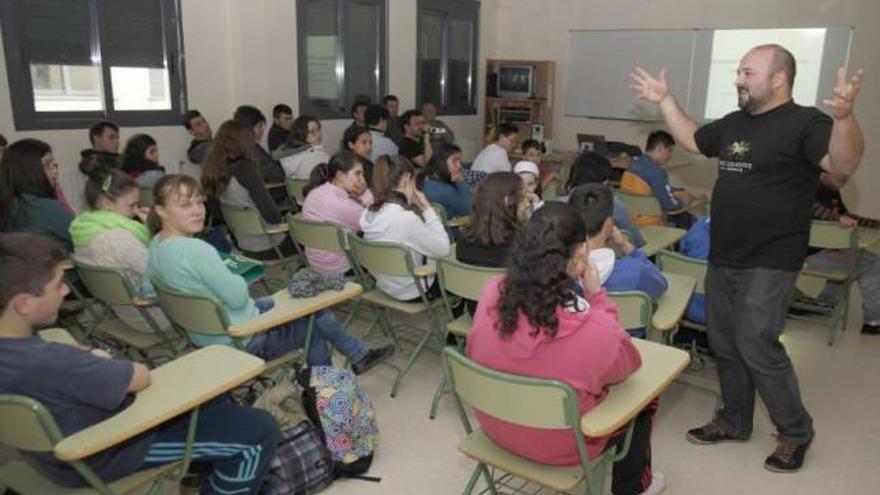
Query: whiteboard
(600,63)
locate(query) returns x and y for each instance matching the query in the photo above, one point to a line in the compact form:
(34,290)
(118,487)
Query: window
(71,62)
(446,67)
(341,46)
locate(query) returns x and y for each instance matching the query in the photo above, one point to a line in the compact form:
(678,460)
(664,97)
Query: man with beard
(770,154)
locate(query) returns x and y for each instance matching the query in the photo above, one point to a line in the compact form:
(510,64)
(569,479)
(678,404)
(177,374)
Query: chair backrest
(315,235)
(830,235)
(464,280)
(441,212)
(146,196)
(640,205)
(27,424)
(243,220)
(550,191)
(196,314)
(632,183)
(381,258)
(521,400)
(671,262)
(295,188)
(107,284)
(633,309)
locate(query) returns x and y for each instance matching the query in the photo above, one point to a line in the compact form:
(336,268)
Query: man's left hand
(845,93)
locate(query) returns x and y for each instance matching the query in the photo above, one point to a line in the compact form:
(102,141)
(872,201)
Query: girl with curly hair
(531,322)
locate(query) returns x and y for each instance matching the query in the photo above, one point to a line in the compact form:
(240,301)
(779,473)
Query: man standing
(770,154)
(282,121)
(200,130)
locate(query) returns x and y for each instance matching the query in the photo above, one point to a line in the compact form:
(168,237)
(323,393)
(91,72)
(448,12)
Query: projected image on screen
(728,47)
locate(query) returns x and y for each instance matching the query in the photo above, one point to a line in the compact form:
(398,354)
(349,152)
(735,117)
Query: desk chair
(248,221)
(112,288)
(643,207)
(385,258)
(459,282)
(634,309)
(295,188)
(525,401)
(812,281)
(550,191)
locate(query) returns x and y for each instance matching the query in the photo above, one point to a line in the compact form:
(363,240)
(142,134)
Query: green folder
(250,270)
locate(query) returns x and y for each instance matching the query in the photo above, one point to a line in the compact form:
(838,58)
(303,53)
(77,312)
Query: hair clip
(105,186)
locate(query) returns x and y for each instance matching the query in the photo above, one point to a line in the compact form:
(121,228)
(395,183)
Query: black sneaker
(710,433)
(372,359)
(787,458)
(869,329)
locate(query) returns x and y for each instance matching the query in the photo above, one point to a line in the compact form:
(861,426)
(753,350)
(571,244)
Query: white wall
(528,29)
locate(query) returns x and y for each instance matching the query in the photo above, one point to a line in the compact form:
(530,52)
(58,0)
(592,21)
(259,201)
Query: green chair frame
(110,287)
(390,259)
(525,401)
(634,309)
(672,262)
(294,187)
(248,221)
(828,235)
(459,282)
(28,426)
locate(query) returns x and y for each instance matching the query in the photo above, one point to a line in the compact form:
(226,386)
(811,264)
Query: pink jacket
(589,352)
(329,203)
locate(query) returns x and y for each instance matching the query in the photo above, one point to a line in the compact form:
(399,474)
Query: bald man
(770,154)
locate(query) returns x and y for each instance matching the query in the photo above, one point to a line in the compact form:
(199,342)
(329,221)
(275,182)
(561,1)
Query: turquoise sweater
(193,266)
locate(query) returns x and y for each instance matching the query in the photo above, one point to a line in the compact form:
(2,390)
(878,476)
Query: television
(516,81)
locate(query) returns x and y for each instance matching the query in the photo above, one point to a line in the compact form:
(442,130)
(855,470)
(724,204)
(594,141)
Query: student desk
(659,237)
(287,308)
(673,303)
(177,387)
(58,335)
(661,365)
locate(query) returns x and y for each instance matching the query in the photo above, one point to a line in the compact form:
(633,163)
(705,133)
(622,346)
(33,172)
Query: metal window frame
(21,91)
(468,10)
(342,109)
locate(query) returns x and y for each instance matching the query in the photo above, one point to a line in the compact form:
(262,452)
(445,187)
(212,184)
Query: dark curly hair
(537,280)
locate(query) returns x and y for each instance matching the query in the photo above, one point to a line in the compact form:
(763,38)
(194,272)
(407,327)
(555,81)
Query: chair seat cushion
(24,479)
(480,447)
(378,297)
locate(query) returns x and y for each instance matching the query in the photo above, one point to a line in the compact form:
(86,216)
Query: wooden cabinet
(537,109)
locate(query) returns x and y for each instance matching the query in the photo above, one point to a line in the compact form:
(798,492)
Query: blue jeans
(327,334)
(237,441)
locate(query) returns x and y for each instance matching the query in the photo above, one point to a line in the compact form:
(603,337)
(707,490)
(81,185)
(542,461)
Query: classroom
(469,239)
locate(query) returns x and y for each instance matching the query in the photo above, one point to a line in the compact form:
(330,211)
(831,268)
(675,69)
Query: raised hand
(648,88)
(845,93)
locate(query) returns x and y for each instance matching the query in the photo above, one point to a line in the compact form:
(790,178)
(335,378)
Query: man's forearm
(680,124)
(846,146)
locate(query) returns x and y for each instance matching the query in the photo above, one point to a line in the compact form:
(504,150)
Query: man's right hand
(648,87)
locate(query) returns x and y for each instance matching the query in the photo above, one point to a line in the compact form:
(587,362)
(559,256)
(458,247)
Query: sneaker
(372,359)
(871,329)
(658,484)
(787,458)
(710,433)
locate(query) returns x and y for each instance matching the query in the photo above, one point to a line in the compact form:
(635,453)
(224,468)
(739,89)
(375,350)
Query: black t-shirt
(768,173)
(411,148)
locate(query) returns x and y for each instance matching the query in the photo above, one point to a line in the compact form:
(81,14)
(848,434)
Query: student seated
(192,266)
(104,138)
(377,121)
(501,209)
(528,172)
(533,151)
(401,214)
(493,158)
(337,193)
(866,263)
(438,131)
(230,176)
(358,114)
(650,168)
(282,121)
(359,140)
(112,233)
(270,169)
(695,244)
(531,322)
(28,201)
(140,160)
(633,271)
(200,130)
(591,168)
(302,151)
(444,183)
(416,144)
(394,131)
(82,387)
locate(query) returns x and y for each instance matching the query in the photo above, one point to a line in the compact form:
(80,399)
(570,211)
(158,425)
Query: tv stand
(523,113)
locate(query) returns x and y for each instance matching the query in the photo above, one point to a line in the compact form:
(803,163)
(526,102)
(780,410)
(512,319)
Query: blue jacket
(636,272)
(695,244)
(455,198)
(655,175)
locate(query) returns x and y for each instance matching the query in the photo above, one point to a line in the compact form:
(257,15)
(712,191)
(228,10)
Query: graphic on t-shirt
(738,150)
